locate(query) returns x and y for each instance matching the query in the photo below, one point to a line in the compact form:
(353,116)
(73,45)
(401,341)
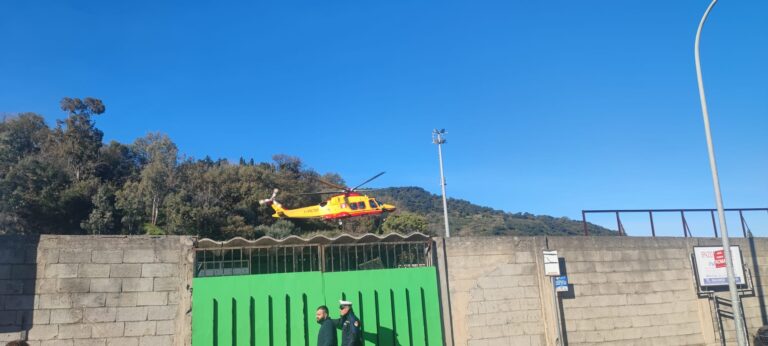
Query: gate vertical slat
(203,319)
(243,313)
(296,323)
(224,318)
(354,297)
(417,325)
(368,316)
(386,324)
(279,318)
(432,316)
(261,319)
(401,317)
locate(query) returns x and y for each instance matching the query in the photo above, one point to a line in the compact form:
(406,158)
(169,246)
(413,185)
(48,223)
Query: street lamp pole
(437,138)
(736,302)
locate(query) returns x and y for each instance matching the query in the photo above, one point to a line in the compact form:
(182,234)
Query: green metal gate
(397,304)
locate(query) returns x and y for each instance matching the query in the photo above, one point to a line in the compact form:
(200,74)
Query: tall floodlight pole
(736,303)
(437,138)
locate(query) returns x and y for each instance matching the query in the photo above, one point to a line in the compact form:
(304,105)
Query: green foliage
(128,200)
(405,223)
(33,193)
(117,163)
(361,225)
(102,219)
(66,180)
(20,137)
(160,156)
(278,230)
(76,140)
(150,229)
(237,225)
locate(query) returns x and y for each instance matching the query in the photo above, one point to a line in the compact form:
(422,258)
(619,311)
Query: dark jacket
(350,329)
(327,334)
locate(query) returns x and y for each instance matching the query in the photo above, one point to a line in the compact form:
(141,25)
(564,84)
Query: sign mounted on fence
(551,263)
(710,265)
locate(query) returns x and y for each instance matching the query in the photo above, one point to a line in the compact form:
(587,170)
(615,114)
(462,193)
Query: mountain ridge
(466,218)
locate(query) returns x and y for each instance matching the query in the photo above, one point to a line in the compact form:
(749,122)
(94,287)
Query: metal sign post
(559,340)
(552,269)
(439,139)
(741,335)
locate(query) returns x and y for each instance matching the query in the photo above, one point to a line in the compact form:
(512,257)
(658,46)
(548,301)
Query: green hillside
(471,219)
(66,180)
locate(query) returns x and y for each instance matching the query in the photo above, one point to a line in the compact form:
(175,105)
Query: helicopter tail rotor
(270,200)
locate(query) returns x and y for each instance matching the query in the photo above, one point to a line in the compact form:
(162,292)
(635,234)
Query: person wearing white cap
(349,325)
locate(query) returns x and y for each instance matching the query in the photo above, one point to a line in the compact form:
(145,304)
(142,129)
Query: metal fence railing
(256,260)
(343,257)
(276,259)
(685,227)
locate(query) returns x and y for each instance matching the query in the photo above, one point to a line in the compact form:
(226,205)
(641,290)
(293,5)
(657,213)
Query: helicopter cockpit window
(361,205)
(323,203)
(372,203)
(353,206)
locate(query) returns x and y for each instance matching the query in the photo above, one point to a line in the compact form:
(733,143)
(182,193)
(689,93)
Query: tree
(236,226)
(21,139)
(117,163)
(21,136)
(161,156)
(196,204)
(43,192)
(287,164)
(279,230)
(76,203)
(130,203)
(102,218)
(405,223)
(32,191)
(76,138)
(361,224)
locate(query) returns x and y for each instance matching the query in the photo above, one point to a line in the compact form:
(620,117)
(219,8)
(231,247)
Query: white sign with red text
(710,265)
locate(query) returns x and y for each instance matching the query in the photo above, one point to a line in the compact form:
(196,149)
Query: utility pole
(437,138)
(738,318)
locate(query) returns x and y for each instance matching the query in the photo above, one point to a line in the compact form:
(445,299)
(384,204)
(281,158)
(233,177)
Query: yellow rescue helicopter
(345,203)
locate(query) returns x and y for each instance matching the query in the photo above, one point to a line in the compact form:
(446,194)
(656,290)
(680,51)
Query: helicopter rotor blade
(319,193)
(335,186)
(367,181)
(366,190)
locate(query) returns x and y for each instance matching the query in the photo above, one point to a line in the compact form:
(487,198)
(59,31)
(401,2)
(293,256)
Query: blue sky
(551,107)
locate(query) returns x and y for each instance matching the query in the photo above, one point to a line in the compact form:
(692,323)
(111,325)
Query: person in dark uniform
(327,334)
(349,325)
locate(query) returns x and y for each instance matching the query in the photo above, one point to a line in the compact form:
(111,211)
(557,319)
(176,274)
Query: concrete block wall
(106,290)
(625,290)
(95,290)
(495,292)
(628,291)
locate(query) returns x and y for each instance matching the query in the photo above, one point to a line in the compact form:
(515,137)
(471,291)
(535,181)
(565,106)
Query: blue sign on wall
(561,283)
